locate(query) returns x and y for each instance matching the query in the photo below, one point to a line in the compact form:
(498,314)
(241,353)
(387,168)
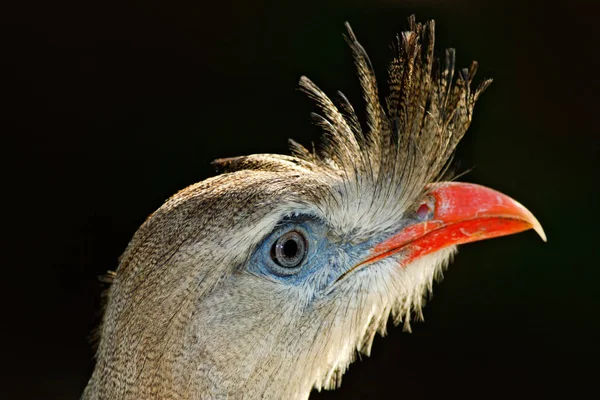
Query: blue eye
(289,250)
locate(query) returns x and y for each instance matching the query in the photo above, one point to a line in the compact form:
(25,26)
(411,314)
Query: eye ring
(289,251)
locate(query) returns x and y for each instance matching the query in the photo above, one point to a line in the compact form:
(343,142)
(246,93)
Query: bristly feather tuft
(407,144)
(411,142)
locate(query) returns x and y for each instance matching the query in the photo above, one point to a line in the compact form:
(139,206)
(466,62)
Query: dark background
(109,108)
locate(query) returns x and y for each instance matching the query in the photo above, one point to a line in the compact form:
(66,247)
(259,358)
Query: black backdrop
(109,108)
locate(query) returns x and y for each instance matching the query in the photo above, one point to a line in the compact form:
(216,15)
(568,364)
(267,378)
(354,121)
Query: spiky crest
(407,145)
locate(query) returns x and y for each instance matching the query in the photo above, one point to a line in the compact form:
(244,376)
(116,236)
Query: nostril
(423,211)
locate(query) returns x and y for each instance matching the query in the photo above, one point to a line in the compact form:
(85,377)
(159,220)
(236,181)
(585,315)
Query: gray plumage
(188,317)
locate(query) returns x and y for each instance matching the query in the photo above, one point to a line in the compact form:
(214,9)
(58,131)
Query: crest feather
(379,172)
(409,144)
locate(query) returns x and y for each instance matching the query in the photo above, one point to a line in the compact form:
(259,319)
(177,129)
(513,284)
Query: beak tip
(528,217)
(540,231)
(535,224)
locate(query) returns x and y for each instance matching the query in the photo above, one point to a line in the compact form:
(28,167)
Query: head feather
(405,146)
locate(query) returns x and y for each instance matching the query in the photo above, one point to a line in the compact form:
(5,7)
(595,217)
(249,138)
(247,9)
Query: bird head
(268,280)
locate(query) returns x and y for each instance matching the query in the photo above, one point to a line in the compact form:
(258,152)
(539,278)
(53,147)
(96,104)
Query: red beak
(457,213)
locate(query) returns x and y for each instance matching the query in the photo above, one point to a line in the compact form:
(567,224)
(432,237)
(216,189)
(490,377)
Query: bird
(270,278)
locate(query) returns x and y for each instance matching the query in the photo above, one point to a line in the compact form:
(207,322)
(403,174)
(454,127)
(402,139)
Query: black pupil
(290,248)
